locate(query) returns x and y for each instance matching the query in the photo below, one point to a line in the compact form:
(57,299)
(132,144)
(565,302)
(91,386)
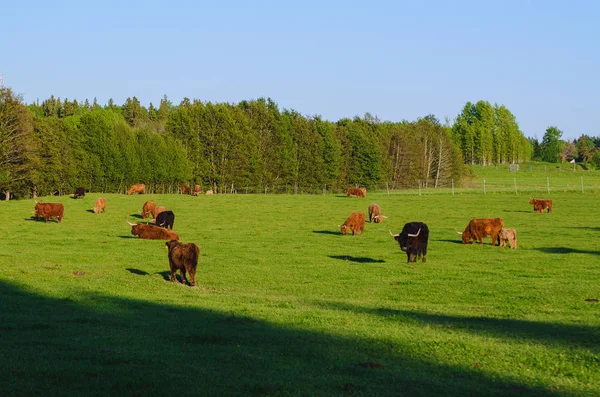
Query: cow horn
(392,234)
(459,232)
(383,216)
(130,224)
(415,235)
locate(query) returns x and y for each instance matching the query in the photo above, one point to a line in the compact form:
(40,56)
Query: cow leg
(173,269)
(192,273)
(183,277)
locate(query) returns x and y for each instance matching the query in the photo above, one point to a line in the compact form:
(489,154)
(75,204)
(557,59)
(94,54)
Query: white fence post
(453,186)
(548,184)
(581,185)
(387,187)
(515,178)
(484,186)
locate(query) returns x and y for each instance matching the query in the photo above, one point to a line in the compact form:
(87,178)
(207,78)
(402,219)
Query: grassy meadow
(286,305)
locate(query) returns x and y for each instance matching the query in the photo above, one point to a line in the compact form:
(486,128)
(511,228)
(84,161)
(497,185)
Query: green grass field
(286,305)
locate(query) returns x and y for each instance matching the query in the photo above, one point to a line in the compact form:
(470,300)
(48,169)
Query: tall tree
(550,147)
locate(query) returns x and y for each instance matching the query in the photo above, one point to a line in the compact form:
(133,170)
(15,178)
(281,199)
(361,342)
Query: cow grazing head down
(355,224)
(375,213)
(541,205)
(165,219)
(183,257)
(79,193)
(413,240)
(357,192)
(137,188)
(148,209)
(479,228)
(152,232)
(49,210)
(185,189)
(508,235)
(100,205)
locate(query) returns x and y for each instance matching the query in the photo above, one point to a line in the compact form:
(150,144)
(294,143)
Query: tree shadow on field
(581,336)
(327,232)
(137,271)
(119,346)
(566,250)
(356,259)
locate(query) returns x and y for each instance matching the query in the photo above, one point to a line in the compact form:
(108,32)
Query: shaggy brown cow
(356,192)
(49,210)
(183,257)
(375,214)
(138,188)
(157,211)
(100,205)
(509,235)
(355,223)
(148,209)
(185,189)
(482,227)
(152,232)
(197,190)
(540,205)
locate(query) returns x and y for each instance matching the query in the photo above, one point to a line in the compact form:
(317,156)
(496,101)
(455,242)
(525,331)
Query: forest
(56,145)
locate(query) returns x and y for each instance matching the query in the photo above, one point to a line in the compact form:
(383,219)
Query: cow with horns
(165,219)
(355,223)
(79,193)
(413,240)
(356,192)
(148,209)
(375,213)
(152,232)
(479,228)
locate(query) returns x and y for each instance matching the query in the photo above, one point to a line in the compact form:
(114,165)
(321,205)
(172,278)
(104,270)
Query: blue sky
(394,59)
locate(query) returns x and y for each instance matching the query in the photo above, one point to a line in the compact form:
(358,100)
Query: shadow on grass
(356,259)
(518,211)
(118,346)
(451,241)
(582,336)
(130,236)
(566,250)
(137,271)
(139,216)
(92,211)
(593,228)
(327,232)
(41,220)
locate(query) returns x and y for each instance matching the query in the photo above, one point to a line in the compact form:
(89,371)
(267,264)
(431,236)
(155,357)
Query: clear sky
(398,60)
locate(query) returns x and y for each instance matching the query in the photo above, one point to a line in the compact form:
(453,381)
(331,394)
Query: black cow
(79,193)
(413,240)
(165,219)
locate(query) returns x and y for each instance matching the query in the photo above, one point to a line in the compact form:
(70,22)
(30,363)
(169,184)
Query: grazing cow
(209,192)
(157,211)
(482,227)
(49,210)
(197,190)
(508,235)
(79,193)
(540,205)
(413,240)
(148,209)
(185,189)
(100,205)
(356,192)
(165,219)
(183,257)
(138,188)
(355,223)
(152,232)
(375,214)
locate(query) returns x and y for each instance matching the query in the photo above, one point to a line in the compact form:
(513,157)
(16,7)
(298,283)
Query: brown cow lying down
(49,210)
(357,192)
(100,205)
(152,232)
(482,227)
(375,214)
(138,188)
(355,223)
(540,205)
(185,258)
(509,235)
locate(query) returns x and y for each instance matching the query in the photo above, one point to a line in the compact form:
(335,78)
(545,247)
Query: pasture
(286,305)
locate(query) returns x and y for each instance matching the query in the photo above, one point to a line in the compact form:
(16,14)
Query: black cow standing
(79,193)
(165,219)
(413,240)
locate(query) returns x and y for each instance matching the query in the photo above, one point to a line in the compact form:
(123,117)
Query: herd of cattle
(413,238)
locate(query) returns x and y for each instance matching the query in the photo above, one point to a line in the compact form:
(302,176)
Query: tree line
(57,145)
(553,149)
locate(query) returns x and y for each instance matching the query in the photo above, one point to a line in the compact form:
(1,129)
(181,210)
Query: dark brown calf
(183,257)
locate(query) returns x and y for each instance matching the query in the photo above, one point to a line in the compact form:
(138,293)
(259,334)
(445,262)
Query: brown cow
(138,188)
(183,257)
(354,223)
(482,227)
(100,205)
(540,205)
(152,232)
(375,214)
(185,189)
(148,209)
(357,192)
(197,190)
(49,210)
(157,211)
(509,235)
